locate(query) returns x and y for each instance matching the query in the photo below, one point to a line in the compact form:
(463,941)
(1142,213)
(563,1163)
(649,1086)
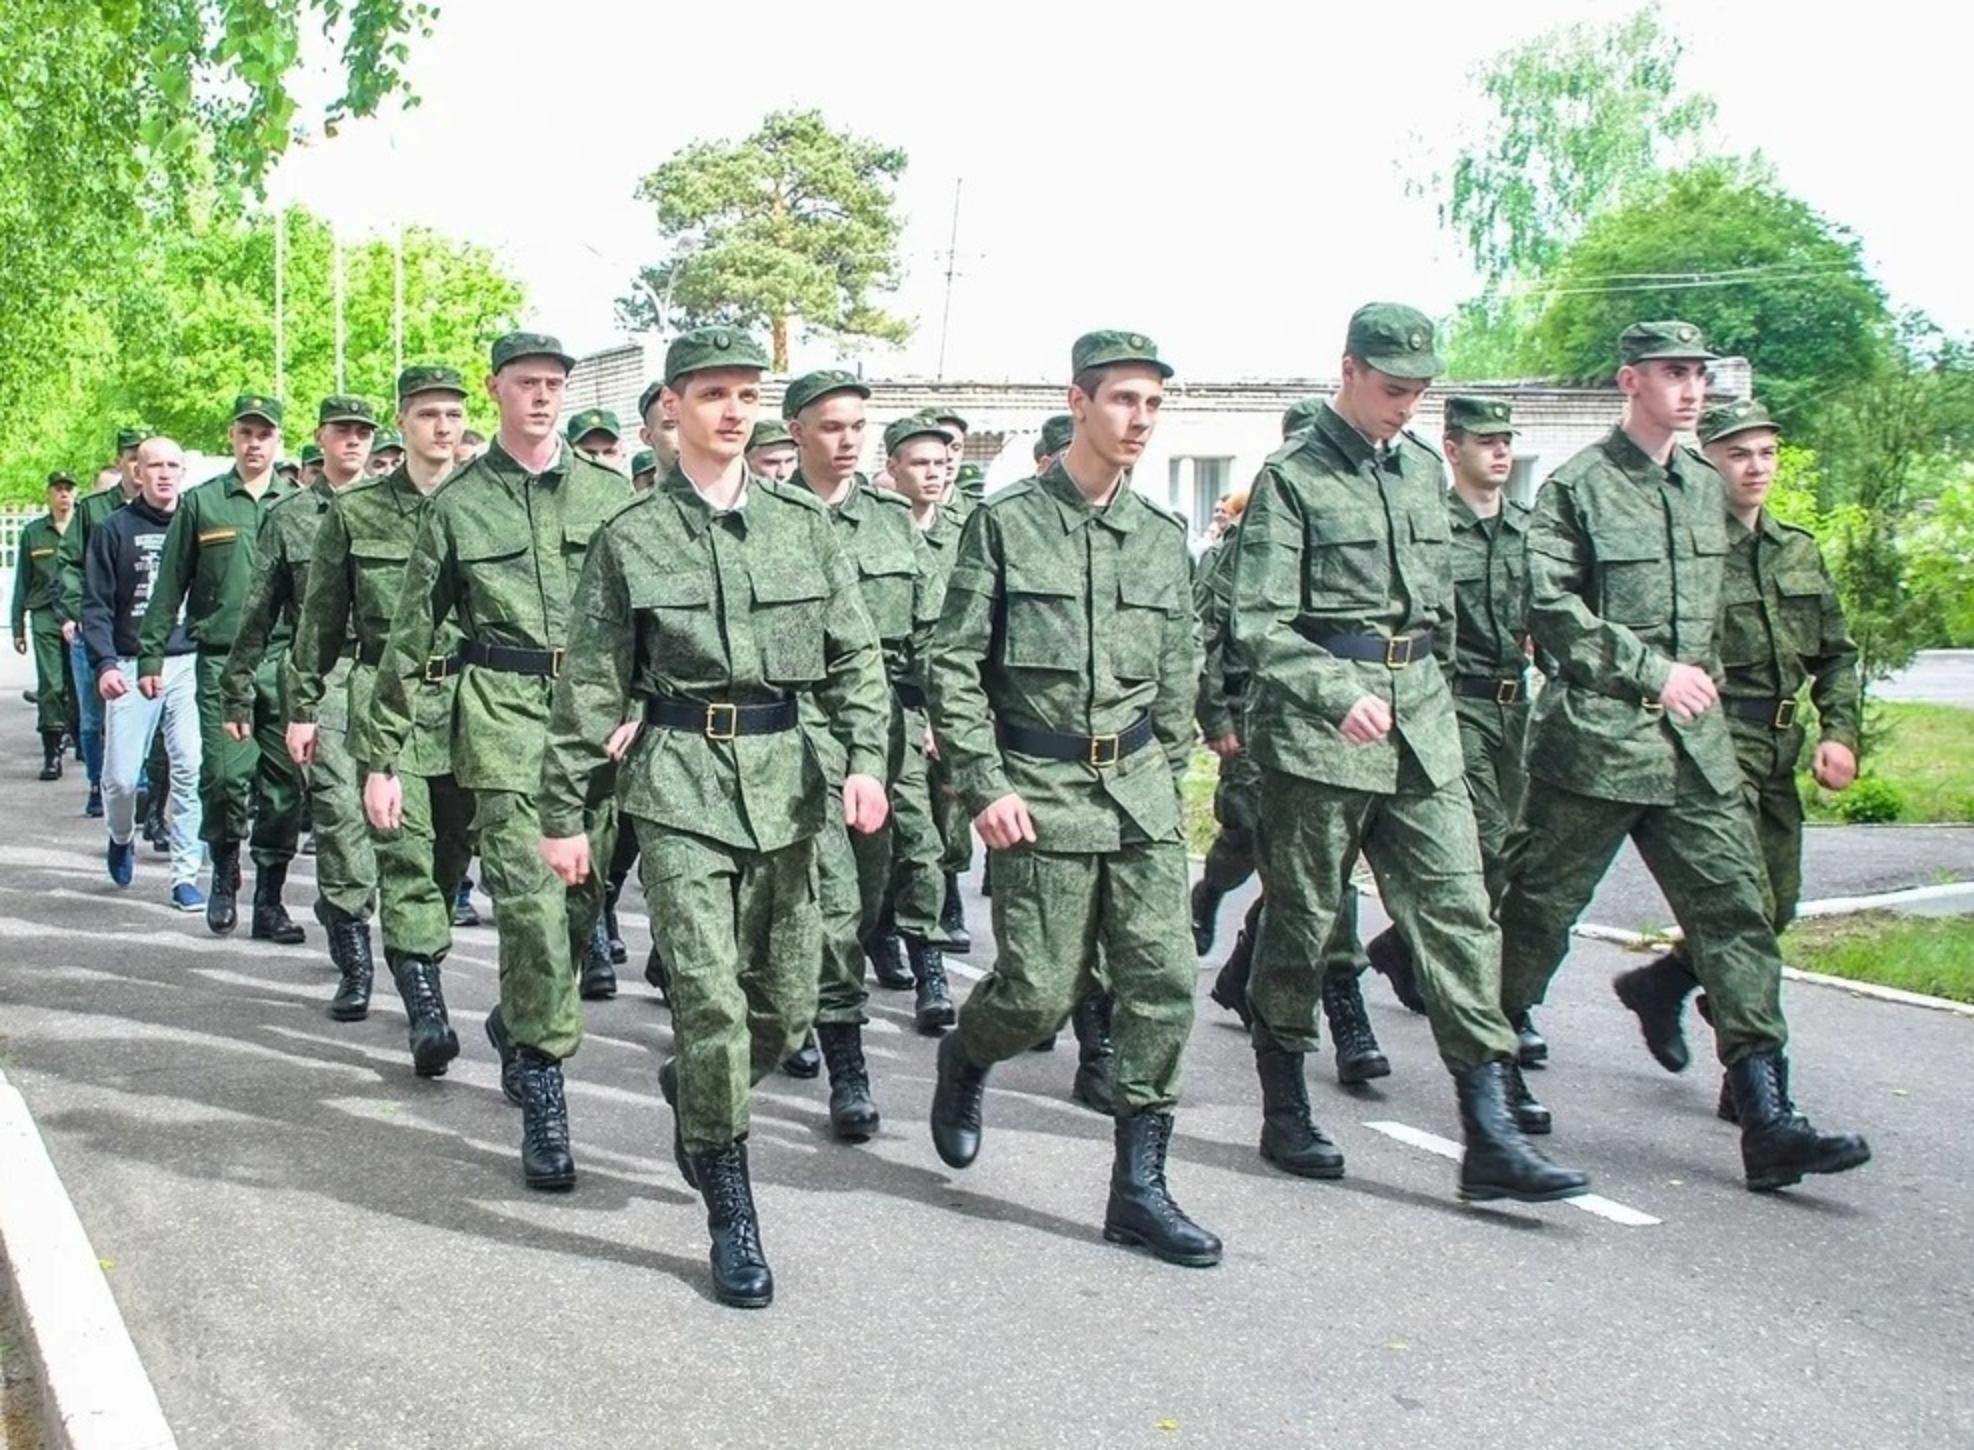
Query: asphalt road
(1941,676)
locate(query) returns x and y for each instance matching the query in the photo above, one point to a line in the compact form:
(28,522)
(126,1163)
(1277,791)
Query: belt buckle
(1785,714)
(437,667)
(1650,706)
(1098,746)
(1398,652)
(555,657)
(713,730)
(1506,692)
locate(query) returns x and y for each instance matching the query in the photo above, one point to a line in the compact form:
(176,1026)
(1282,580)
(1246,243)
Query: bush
(1871,802)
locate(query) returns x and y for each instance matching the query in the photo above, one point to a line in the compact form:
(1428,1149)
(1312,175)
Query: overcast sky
(1233,185)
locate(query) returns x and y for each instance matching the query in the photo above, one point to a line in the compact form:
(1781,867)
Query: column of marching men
(790,698)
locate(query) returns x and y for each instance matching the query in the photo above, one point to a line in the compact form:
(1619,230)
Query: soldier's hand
(111,685)
(69,631)
(383,801)
(1368,722)
(567,857)
(20,645)
(1006,823)
(931,744)
(237,731)
(1835,765)
(1689,692)
(864,805)
(150,686)
(622,739)
(301,743)
(1225,745)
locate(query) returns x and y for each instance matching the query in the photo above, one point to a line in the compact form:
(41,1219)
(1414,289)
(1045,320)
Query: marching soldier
(770,451)
(644,470)
(386,453)
(37,598)
(596,432)
(90,512)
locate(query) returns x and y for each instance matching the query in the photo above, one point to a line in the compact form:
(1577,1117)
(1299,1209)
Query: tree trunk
(781,342)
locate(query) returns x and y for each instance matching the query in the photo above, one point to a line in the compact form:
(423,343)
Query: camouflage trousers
(910,845)
(345,861)
(1768,788)
(1236,806)
(543,926)
(1055,914)
(1422,848)
(1701,850)
(1491,739)
(955,823)
(849,894)
(741,930)
(250,790)
(420,865)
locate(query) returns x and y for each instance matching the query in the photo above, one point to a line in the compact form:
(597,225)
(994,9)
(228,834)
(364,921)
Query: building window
(1195,485)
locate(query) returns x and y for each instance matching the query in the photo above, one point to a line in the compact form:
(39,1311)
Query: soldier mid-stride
(1343,617)
(711,613)
(497,555)
(1626,559)
(1062,682)
(37,598)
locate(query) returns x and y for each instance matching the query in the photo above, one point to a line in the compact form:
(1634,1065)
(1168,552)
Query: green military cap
(969,473)
(59,479)
(310,454)
(593,420)
(820,384)
(1742,417)
(386,439)
(1056,433)
(1096,349)
(1299,415)
(287,467)
(768,432)
(517,345)
(131,437)
(1673,341)
(1394,339)
(642,462)
(257,405)
(947,415)
(913,425)
(712,347)
(345,408)
(428,379)
(649,396)
(1479,416)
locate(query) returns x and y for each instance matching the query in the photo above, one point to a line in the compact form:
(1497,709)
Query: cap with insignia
(642,462)
(1056,433)
(767,433)
(913,425)
(1099,349)
(947,415)
(517,345)
(344,408)
(426,378)
(1742,417)
(1672,341)
(704,348)
(384,441)
(1395,339)
(61,480)
(649,396)
(593,420)
(257,405)
(131,437)
(812,387)
(969,473)
(310,454)
(1482,417)
(1299,415)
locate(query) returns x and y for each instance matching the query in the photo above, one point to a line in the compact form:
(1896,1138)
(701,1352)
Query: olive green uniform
(251,791)
(949,814)
(703,610)
(37,619)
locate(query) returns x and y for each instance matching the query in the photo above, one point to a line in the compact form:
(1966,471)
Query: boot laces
(547,1124)
(735,1205)
(1349,1023)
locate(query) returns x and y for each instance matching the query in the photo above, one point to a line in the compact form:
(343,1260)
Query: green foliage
(1940,558)
(795,222)
(1870,802)
(1933,955)
(1923,753)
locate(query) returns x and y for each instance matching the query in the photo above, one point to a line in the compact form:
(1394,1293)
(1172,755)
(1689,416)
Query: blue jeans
(89,708)
(130,721)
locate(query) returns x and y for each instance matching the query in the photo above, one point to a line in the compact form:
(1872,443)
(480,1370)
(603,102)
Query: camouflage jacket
(273,603)
(1220,688)
(38,569)
(1781,624)
(207,563)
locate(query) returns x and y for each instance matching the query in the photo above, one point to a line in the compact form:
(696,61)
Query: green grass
(1925,753)
(1196,801)
(1934,955)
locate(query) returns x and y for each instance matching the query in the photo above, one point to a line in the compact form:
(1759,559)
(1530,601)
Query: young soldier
(1343,615)
(353,587)
(720,606)
(596,433)
(1063,677)
(644,470)
(1781,626)
(386,453)
(37,596)
(249,789)
(497,554)
(1626,559)
(660,433)
(90,512)
(770,451)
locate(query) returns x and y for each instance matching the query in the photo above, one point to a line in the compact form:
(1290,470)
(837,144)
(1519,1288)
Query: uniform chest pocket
(678,626)
(1046,628)
(1348,561)
(1634,580)
(886,583)
(788,624)
(502,583)
(1801,592)
(1137,637)
(1743,629)
(219,549)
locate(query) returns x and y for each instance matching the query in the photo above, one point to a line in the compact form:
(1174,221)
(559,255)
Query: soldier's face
(528,392)
(431,425)
(604,449)
(345,449)
(61,500)
(255,442)
(1747,461)
(918,470)
(661,435)
(1482,460)
(715,411)
(829,436)
(1118,421)
(776,461)
(160,470)
(1665,392)
(1378,404)
(127,464)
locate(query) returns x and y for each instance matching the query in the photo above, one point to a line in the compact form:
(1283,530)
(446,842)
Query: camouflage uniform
(37,619)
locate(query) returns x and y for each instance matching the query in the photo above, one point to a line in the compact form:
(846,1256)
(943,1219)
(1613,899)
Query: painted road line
(1593,1203)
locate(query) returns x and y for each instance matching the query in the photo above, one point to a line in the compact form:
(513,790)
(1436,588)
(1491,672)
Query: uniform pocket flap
(1800,584)
(777,587)
(380,551)
(1627,548)
(671,591)
(1147,592)
(1030,580)
(886,564)
(1346,528)
(489,550)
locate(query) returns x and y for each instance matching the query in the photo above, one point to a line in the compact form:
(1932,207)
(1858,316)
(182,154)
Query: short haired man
(644,470)
(596,433)
(386,453)
(311,466)
(37,599)
(770,451)
(658,429)
(470,446)
(89,512)
(1056,432)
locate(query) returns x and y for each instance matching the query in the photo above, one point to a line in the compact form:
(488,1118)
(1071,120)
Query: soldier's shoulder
(887,498)
(1587,462)
(285,504)
(1517,510)
(783,493)
(1798,540)
(1012,496)
(1161,512)
(1413,443)
(204,492)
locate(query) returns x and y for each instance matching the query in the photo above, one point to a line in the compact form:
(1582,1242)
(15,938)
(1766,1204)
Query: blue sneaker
(123,860)
(187,897)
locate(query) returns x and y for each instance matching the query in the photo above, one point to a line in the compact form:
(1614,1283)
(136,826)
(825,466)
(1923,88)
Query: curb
(95,1394)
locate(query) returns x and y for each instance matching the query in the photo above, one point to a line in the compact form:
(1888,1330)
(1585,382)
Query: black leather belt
(508,659)
(1394,652)
(1097,750)
(1776,714)
(1485,687)
(720,719)
(910,696)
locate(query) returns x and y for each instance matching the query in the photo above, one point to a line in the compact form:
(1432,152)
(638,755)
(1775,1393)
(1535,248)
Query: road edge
(95,1393)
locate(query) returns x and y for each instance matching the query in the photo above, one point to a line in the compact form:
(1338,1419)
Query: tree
(1719,244)
(797,222)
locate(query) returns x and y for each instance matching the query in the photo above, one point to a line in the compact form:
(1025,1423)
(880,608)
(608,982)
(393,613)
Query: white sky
(1233,186)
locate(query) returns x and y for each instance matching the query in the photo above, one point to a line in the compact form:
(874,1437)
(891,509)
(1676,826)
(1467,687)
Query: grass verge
(1929,954)
(1924,754)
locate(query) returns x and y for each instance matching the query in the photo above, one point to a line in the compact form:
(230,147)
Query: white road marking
(1594,1203)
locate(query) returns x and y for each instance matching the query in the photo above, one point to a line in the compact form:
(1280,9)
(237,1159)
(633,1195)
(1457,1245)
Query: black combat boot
(886,954)
(155,830)
(349,949)
(510,1061)
(1499,1163)
(271,922)
(619,953)
(852,1114)
(1359,1058)
(546,1162)
(668,1089)
(1230,984)
(933,1012)
(145,795)
(741,1276)
(1206,900)
(1391,960)
(223,901)
(805,1061)
(1656,993)
(656,975)
(1091,1023)
(1141,1211)
(1531,1047)
(1289,1139)
(952,918)
(1530,1116)
(51,755)
(598,982)
(956,1104)
(1778,1144)
(433,1042)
